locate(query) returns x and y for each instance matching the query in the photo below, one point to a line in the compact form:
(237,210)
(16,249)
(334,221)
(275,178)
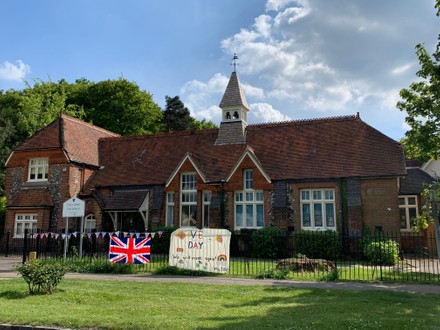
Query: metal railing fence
(397,256)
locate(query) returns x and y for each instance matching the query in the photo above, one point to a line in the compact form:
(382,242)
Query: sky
(297,59)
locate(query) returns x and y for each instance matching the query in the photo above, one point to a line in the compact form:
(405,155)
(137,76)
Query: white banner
(200,249)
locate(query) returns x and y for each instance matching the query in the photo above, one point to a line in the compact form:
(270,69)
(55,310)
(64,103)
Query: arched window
(90,223)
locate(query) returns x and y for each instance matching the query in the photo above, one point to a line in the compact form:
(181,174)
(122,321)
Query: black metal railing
(397,256)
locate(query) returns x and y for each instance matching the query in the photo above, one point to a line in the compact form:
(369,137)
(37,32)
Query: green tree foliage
(421,101)
(117,105)
(177,117)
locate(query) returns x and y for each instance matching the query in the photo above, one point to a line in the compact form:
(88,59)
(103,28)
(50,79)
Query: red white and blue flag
(130,250)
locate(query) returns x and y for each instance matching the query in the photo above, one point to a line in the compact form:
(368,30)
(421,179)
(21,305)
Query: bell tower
(234,112)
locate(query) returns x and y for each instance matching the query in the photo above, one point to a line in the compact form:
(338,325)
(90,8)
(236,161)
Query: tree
(118,105)
(176,116)
(421,101)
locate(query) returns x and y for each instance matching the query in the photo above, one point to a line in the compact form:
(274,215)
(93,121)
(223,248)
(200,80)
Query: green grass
(153,305)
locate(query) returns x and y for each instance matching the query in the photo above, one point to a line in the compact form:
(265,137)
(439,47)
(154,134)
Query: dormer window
(38,169)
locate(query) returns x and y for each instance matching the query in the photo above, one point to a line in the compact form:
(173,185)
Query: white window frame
(169,220)
(319,198)
(25,221)
(89,223)
(188,199)
(407,206)
(250,202)
(206,201)
(38,167)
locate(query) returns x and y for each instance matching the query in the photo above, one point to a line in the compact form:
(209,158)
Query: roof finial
(234,62)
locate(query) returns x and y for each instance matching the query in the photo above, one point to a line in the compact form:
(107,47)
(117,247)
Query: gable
(189,161)
(248,154)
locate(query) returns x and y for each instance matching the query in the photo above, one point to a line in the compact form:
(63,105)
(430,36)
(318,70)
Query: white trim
(176,171)
(319,201)
(192,221)
(207,204)
(37,167)
(9,158)
(406,207)
(254,159)
(169,204)
(33,220)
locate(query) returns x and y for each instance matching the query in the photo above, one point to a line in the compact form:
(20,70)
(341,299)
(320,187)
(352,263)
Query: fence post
(25,245)
(8,236)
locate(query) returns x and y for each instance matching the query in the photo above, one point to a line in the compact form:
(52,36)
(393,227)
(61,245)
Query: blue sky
(297,59)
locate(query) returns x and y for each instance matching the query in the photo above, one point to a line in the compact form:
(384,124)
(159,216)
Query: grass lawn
(148,305)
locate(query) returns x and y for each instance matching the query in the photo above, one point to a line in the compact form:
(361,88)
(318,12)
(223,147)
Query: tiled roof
(296,150)
(125,200)
(151,159)
(233,95)
(415,182)
(79,139)
(30,197)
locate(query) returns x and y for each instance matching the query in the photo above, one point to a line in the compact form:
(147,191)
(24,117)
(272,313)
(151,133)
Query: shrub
(173,270)
(267,242)
(331,276)
(381,251)
(93,265)
(278,274)
(42,278)
(317,244)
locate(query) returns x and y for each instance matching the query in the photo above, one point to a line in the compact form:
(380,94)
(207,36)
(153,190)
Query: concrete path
(7,263)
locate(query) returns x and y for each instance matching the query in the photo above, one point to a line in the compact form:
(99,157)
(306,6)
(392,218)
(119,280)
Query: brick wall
(380,204)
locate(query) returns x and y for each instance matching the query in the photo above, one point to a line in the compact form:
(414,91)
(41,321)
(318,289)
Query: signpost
(73,207)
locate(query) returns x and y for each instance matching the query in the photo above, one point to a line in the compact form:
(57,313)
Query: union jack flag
(130,250)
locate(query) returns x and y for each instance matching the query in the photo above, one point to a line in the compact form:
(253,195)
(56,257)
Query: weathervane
(234,62)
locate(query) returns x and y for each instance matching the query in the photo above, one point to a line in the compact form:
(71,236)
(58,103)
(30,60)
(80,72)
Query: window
(25,221)
(206,206)
(170,209)
(408,211)
(318,209)
(38,169)
(90,223)
(188,200)
(249,204)
(248,179)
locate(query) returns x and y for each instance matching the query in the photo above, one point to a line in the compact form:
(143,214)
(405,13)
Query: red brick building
(320,174)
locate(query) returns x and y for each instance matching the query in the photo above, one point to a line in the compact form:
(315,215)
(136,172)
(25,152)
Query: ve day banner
(204,249)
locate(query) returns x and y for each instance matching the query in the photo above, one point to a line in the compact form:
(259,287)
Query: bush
(331,276)
(93,265)
(42,278)
(173,270)
(381,251)
(267,242)
(278,274)
(317,244)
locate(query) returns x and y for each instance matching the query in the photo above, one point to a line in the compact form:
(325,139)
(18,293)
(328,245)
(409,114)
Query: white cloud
(293,14)
(311,59)
(402,69)
(14,71)
(266,113)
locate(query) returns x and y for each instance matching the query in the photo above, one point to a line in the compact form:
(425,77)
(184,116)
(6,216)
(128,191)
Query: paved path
(6,271)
